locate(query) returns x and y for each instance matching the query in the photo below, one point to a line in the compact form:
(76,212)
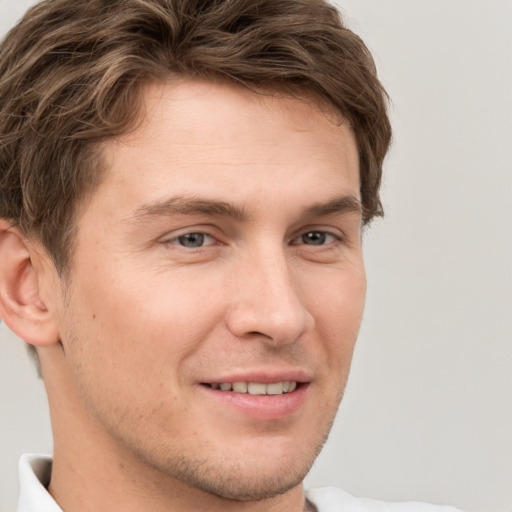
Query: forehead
(207,138)
(206,111)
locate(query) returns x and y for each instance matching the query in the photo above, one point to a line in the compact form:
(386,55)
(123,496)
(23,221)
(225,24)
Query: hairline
(278,88)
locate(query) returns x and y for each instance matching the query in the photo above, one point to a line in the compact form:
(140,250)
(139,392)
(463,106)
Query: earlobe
(21,306)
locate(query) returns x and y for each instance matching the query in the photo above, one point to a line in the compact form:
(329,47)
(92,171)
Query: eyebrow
(339,205)
(188,206)
(196,206)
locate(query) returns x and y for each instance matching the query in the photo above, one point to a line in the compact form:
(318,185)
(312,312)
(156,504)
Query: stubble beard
(235,481)
(212,474)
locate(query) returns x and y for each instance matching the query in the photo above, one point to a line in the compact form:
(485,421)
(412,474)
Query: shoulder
(331,499)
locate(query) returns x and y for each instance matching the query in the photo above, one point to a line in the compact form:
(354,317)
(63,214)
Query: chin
(245,484)
(257,472)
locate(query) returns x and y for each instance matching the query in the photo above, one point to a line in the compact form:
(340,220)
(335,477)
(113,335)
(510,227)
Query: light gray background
(428,410)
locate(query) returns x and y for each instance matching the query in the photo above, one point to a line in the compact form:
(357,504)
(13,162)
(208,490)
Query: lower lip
(261,407)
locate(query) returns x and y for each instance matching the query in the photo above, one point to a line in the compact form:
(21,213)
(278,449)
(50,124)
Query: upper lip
(262,376)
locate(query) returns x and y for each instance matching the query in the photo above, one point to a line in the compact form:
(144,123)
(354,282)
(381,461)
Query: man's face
(223,246)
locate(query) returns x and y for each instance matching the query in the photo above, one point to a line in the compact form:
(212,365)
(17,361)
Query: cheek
(126,361)
(338,293)
(338,314)
(142,324)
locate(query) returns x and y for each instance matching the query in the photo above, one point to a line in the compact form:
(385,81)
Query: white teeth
(275,388)
(257,388)
(240,387)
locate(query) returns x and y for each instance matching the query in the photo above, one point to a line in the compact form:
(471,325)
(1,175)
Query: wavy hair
(71,74)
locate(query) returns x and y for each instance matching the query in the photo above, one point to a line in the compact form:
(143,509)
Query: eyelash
(323,235)
(175,240)
(299,240)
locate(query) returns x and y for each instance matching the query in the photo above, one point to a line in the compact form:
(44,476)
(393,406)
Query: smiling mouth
(255,388)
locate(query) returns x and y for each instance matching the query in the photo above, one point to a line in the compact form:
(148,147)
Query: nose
(266,302)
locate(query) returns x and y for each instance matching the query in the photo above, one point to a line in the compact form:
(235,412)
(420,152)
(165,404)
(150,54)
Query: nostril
(269,317)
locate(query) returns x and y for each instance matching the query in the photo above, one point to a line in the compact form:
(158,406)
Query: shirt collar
(34,472)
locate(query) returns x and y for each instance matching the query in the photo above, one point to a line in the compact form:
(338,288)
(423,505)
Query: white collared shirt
(35,473)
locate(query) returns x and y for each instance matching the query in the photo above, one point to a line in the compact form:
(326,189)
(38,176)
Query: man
(183,186)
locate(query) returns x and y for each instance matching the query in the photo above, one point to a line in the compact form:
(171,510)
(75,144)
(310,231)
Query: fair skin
(222,246)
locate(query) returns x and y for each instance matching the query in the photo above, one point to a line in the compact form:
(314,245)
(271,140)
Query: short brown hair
(71,73)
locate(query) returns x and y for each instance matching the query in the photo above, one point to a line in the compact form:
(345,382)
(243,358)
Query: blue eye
(316,238)
(193,240)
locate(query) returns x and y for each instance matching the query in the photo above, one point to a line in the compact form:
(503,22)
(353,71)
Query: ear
(21,305)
